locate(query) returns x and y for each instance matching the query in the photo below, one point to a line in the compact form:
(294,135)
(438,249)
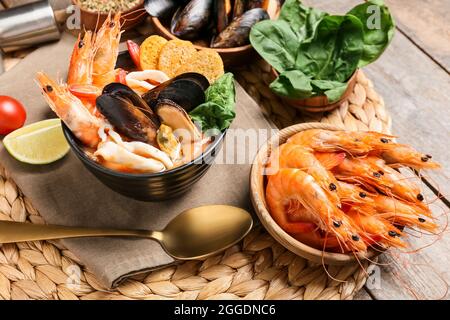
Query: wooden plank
(417,92)
(362,295)
(426,24)
(417,275)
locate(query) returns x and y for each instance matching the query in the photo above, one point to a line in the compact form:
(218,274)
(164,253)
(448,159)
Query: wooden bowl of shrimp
(335,196)
(258,184)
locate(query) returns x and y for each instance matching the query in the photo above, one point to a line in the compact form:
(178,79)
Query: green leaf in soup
(303,20)
(222,91)
(332,89)
(293,84)
(218,111)
(378,27)
(212,116)
(335,50)
(276,42)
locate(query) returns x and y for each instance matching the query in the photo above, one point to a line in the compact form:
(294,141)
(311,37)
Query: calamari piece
(125,160)
(143,81)
(142,149)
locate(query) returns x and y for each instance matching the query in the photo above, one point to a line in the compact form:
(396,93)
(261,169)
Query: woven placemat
(257,268)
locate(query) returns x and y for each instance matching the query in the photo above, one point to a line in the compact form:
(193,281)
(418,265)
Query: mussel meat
(237,33)
(127,118)
(176,117)
(189,21)
(186,90)
(162,8)
(168,142)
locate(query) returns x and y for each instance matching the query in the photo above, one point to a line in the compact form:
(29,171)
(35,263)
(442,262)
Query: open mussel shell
(237,32)
(162,8)
(188,22)
(127,119)
(126,92)
(174,116)
(186,90)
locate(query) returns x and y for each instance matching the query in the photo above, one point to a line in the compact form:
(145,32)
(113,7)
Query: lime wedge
(38,143)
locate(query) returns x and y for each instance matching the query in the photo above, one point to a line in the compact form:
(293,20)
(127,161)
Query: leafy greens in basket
(316,53)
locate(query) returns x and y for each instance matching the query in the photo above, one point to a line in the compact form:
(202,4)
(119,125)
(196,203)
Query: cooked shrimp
(295,185)
(295,156)
(362,171)
(352,194)
(81,61)
(376,230)
(398,155)
(353,142)
(316,240)
(71,110)
(107,43)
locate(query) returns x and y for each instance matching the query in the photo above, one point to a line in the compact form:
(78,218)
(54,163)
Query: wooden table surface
(413,77)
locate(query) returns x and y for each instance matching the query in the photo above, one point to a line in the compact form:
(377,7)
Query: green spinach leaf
(276,42)
(218,111)
(335,50)
(303,20)
(332,89)
(293,84)
(378,26)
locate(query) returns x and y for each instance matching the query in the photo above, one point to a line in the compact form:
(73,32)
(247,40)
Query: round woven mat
(257,268)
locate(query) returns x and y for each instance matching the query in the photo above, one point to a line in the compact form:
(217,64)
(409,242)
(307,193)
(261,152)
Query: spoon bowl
(195,233)
(200,232)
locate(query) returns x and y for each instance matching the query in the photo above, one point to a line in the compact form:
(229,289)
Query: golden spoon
(195,233)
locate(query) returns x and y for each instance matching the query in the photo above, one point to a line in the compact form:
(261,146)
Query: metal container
(27,25)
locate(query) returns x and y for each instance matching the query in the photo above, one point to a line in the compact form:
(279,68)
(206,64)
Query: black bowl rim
(75,145)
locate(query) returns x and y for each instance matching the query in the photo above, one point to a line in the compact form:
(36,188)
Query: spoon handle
(19,231)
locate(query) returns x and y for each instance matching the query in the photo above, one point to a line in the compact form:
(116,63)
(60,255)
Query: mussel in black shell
(126,92)
(237,33)
(162,8)
(188,22)
(186,90)
(127,118)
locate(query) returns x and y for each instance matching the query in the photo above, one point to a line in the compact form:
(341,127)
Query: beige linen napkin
(66,193)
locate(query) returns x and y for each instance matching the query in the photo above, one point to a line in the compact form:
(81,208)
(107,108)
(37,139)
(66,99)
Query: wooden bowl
(318,103)
(231,56)
(257,192)
(92,20)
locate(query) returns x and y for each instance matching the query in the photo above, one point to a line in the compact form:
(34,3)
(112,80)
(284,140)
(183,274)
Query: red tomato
(12,114)
(134,50)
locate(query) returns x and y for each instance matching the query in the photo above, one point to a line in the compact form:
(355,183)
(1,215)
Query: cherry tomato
(134,50)
(12,114)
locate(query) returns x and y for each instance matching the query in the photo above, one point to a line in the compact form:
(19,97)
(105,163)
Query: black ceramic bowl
(152,186)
